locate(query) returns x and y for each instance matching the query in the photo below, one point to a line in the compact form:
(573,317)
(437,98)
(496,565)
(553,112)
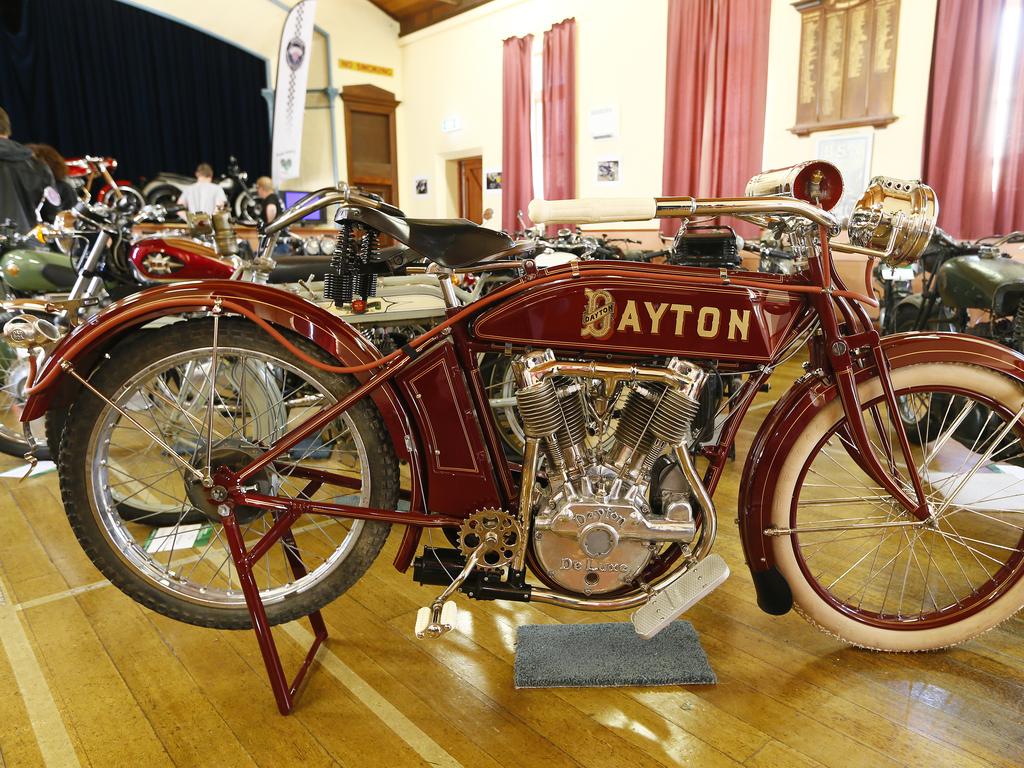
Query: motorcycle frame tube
(88,282)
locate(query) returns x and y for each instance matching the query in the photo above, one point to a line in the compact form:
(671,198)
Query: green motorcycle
(29,267)
(972,287)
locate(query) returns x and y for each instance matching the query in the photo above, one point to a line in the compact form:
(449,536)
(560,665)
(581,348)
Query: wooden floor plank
(494,729)
(17,740)
(241,695)
(842,680)
(189,727)
(346,729)
(489,641)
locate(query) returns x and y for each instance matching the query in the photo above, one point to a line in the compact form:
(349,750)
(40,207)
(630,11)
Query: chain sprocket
(494,534)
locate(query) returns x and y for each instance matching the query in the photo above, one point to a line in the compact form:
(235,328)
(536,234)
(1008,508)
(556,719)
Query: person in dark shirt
(23,179)
(55,162)
(269,202)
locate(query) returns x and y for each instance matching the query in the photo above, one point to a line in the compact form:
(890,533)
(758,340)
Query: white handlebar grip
(592,210)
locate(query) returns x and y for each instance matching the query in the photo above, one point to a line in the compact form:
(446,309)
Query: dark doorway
(471,189)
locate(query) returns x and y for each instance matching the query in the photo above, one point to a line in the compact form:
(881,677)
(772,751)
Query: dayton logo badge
(598,315)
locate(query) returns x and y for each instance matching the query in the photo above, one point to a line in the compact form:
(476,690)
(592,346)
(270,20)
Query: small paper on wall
(609,170)
(851,154)
(604,122)
(422,185)
(493,179)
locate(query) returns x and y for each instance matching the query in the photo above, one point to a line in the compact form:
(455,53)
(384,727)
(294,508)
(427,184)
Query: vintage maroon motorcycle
(861,504)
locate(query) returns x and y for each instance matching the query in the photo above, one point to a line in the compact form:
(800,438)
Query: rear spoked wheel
(164,379)
(863,568)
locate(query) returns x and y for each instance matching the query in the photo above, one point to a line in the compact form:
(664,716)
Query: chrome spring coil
(338,280)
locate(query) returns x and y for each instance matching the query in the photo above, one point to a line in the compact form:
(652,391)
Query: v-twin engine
(615,442)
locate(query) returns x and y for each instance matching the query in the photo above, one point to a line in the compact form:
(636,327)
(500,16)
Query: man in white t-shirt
(204,196)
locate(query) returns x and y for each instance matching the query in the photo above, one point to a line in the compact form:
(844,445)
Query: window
(537,115)
(1009,48)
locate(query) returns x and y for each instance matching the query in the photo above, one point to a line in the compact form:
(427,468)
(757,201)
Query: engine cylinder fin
(634,421)
(673,417)
(539,410)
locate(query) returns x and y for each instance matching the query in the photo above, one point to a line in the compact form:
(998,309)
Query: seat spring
(368,252)
(338,282)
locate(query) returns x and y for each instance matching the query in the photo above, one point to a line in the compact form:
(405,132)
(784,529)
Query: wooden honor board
(847,64)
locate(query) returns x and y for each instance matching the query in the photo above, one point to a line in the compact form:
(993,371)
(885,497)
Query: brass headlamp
(893,220)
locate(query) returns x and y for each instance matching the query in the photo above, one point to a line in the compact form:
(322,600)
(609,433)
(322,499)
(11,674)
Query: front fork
(836,349)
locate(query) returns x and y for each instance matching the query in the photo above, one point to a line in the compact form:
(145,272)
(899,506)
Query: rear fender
(798,406)
(87,343)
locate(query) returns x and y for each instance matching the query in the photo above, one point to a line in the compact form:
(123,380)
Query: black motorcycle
(243,203)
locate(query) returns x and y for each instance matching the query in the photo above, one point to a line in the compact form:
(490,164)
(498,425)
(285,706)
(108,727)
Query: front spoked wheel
(864,569)
(251,392)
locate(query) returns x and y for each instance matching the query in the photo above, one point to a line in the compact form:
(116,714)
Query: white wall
(359,31)
(454,69)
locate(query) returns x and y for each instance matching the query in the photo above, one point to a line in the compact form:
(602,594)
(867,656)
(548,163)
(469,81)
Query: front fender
(798,406)
(88,342)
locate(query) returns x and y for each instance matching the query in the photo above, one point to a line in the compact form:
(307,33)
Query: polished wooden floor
(88,677)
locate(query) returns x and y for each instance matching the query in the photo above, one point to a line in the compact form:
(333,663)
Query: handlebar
(602,210)
(321,199)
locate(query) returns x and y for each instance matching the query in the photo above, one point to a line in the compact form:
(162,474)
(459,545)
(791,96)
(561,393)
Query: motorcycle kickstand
(439,617)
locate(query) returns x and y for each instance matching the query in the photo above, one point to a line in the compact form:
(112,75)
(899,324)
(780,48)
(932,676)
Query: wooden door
(370,142)
(471,189)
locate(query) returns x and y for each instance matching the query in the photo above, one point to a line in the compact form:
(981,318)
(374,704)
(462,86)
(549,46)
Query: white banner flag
(290,94)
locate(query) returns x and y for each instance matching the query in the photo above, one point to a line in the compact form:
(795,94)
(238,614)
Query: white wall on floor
(454,70)
(897,148)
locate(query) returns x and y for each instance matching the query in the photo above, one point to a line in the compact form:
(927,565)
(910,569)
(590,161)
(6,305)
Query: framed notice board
(847,63)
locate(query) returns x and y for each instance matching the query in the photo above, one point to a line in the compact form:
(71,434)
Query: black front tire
(76,464)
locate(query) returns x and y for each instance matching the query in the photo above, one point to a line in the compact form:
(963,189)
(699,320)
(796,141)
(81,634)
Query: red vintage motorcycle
(83,171)
(862,504)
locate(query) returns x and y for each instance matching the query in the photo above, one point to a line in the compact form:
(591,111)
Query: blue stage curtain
(102,77)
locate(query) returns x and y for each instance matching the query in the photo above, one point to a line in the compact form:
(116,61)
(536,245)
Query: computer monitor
(291,197)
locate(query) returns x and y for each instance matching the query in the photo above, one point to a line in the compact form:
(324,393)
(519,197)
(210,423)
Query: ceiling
(413,15)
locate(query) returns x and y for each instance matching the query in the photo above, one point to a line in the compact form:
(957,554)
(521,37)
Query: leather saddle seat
(451,243)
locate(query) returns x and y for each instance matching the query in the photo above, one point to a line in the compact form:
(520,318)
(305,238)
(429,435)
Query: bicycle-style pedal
(679,596)
(435,620)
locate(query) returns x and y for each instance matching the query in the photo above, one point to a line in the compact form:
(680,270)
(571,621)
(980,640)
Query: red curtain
(960,143)
(559,116)
(516,150)
(717,78)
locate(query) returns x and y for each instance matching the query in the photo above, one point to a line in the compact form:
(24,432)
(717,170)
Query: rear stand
(284,692)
